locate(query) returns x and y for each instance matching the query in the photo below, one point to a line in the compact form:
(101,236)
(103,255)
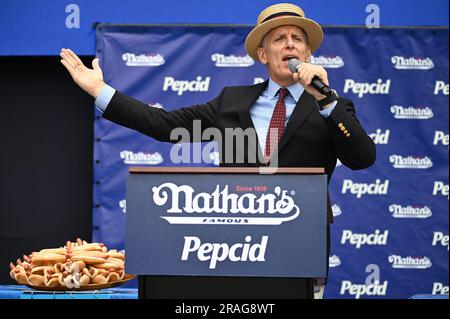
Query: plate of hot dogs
(77,265)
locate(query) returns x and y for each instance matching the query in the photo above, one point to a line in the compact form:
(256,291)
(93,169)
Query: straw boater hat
(279,15)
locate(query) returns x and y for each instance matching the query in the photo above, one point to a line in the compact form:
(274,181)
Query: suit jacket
(310,140)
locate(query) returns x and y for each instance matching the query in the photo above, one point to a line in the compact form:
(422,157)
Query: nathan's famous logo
(334,261)
(411,113)
(415,162)
(132,59)
(141,158)
(332,62)
(186,206)
(412,63)
(409,262)
(227,61)
(409,211)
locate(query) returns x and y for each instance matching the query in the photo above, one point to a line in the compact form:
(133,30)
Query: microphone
(316,82)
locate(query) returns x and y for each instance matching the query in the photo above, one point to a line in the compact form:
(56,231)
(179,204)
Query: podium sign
(227,224)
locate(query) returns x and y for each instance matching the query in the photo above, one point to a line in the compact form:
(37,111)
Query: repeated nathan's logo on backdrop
(334,261)
(231,61)
(336,210)
(156,105)
(411,63)
(411,113)
(409,262)
(330,62)
(399,211)
(132,59)
(413,162)
(141,158)
(186,206)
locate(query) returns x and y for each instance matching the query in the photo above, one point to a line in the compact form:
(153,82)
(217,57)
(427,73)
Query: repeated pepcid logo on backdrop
(411,113)
(439,288)
(411,63)
(334,261)
(440,138)
(409,262)
(440,188)
(358,290)
(132,59)
(363,88)
(440,87)
(141,158)
(361,189)
(330,62)
(440,239)
(220,206)
(410,162)
(361,239)
(231,61)
(399,211)
(181,86)
(380,137)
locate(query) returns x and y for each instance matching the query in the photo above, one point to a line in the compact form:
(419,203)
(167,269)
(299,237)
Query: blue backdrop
(390,236)
(30,27)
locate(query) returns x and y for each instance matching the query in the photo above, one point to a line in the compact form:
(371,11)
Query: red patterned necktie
(277,124)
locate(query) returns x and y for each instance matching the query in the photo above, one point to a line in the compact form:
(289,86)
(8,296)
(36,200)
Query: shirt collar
(296,90)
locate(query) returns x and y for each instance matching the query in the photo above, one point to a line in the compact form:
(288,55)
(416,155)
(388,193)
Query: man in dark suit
(294,125)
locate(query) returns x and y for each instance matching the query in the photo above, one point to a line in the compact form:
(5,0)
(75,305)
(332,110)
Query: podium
(226,233)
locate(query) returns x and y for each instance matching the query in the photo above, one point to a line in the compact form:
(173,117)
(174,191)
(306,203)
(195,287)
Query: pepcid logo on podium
(218,252)
(185,205)
(217,224)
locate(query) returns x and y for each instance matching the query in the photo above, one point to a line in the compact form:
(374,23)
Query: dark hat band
(275,15)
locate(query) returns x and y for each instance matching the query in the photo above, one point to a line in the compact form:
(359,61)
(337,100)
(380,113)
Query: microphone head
(293,65)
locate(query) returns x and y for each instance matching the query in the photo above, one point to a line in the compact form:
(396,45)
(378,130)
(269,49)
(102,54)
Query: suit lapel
(246,101)
(244,105)
(302,110)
